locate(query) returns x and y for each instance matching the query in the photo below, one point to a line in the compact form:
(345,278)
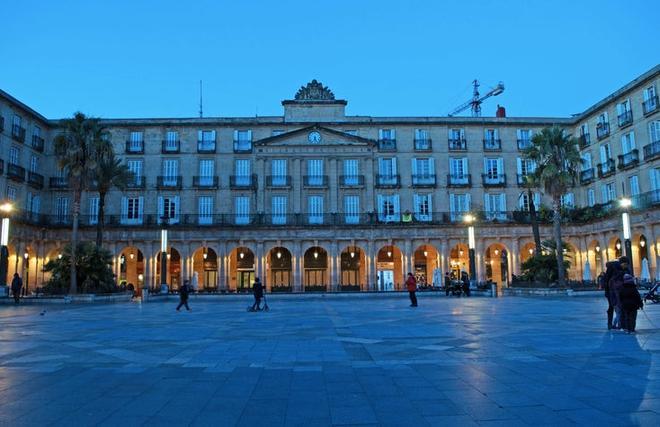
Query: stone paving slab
(314,362)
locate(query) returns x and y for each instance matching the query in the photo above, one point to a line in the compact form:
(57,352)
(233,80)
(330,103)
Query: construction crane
(475,102)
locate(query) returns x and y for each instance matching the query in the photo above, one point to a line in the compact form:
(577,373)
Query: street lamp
(469,219)
(625,203)
(163,254)
(5,210)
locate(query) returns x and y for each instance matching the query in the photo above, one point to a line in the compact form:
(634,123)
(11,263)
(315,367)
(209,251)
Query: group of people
(622,295)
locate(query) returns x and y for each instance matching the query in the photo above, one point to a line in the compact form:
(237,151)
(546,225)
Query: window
(586,162)
(458,169)
(11,192)
(495,206)
(352,209)
(584,129)
(568,200)
(131,210)
(17,120)
(386,134)
(14,155)
(423,171)
(243,172)
(243,140)
(525,166)
(61,209)
(242,210)
(171,140)
(206,172)
(523,201)
(608,192)
(634,185)
(93,210)
(457,134)
(279,209)
(388,208)
(206,140)
(628,142)
(623,107)
(136,141)
(459,204)
(422,207)
(654,131)
(168,206)
(36,205)
(170,172)
(205,207)
(493,168)
(654,178)
(278,172)
(315,209)
(524,138)
(491,134)
(603,119)
(351,172)
(591,197)
(36,131)
(315,172)
(34,164)
(387,171)
(135,166)
(650,99)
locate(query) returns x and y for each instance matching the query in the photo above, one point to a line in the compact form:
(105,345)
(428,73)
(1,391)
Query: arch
(615,248)
(28,270)
(640,250)
(131,269)
(389,268)
(279,270)
(315,268)
(496,259)
(596,257)
(242,269)
(173,265)
(204,270)
(353,267)
(459,260)
(527,251)
(426,266)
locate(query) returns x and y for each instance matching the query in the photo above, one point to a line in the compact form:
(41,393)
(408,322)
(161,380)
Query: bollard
(493,290)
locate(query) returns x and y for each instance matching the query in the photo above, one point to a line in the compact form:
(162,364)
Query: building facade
(318,199)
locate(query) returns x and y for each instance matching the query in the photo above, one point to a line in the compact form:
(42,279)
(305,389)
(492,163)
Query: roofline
(23,106)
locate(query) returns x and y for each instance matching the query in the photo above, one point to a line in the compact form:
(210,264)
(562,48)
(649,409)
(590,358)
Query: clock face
(314,137)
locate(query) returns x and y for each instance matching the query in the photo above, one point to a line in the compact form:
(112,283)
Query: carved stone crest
(314,91)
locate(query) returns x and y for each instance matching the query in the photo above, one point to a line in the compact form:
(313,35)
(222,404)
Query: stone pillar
(479,259)
(259,269)
(297,258)
(515,257)
(370,266)
(334,265)
(444,257)
(408,258)
(260,169)
(649,232)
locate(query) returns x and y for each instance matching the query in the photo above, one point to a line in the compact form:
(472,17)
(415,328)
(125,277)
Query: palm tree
(77,147)
(111,172)
(557,161)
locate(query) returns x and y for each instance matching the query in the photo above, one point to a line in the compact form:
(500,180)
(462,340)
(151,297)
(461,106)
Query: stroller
(652,295)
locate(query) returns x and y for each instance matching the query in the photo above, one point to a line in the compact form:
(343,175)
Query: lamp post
(469,219)
(5,210)
(26,273)
(163,254)
(625,203)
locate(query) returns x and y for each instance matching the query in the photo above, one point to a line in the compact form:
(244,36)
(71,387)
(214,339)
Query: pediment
(328,137)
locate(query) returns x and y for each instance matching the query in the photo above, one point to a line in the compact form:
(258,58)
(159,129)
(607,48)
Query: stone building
(318,198)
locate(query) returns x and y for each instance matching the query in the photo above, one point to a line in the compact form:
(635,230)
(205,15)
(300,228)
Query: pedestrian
(613,282)
(630,301)
(16,286)
(447,283)
(258,291)
(466,283)
(600,280)
(184,291)
(411,284)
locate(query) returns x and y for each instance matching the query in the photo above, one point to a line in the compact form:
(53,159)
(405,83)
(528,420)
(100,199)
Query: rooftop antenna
(201,114)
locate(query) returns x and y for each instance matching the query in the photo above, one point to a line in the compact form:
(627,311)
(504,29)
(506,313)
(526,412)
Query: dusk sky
(387,58)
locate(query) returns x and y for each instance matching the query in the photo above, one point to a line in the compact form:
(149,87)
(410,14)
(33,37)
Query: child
(630,301)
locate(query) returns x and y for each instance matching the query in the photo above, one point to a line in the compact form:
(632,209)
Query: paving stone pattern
(315,362)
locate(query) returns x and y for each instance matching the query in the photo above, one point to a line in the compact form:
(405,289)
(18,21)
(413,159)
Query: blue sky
(137,58)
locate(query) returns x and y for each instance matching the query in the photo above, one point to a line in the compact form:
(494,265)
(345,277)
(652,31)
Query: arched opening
(51,255)
(280,265)
(315,269)
(353,261)
(496,259)
(616,248)
(242,269)
(205,270)
(389,268)
(427,267)
(459,260)
(173,269)
(527,251)
(131,269)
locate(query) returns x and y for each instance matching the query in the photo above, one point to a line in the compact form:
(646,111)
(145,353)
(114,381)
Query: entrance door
(244,278)
(386,280)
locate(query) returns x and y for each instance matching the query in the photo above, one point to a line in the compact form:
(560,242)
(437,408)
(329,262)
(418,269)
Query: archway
(389,268)
(527,251)
(280,268)
(497,264)
(315,265)
(205,270)
(242,269)
(173,269)
(459,260)
(53,254)
(353,261)
(131,269)
(427,266)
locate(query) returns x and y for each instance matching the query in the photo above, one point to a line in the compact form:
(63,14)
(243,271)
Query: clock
(314,137)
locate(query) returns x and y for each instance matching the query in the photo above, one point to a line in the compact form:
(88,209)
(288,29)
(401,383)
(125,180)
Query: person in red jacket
(411,284)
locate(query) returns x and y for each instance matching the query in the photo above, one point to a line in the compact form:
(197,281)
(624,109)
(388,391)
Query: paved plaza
(329,361)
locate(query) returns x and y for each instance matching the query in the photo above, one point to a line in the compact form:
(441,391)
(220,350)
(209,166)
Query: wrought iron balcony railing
(629,160)
(206,182)
(424,181)
(35,180)
(602,130)
(243,182)
(625,118)
(584,140)
(18,133)
(387,144)
(58,182)
(587,176)
(206,147)
(650,105)
(38,143)
(459,144)
(15,172)
(454,180)
(606,169)
(135,147)
(170,146)
(423,144)
(315,181)
(278,181)
(388,181)
(137,182)
(242,146)
(652,151)
(492,144)
(524,144)
(351,180)
(493,180)
(169,182)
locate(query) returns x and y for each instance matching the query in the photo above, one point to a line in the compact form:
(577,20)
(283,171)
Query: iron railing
(243,182)
(587,176)
(423,145)
(387,144)
(602,130)
(459,180)
(625,118)
(606,169)
(170,146)
(15,172)
(206,182)
(169,182)
(18,133)
(493,180)
(206,147)
(351,180)
(424,180)
(388,181)
(629,160)
(457,144)
(135,147)
(492,144)
(38,143)
(650,105)
(652,150)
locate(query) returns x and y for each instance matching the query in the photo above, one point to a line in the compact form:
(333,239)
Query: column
(259,262)
(479,260)
(649,232)
(369,266)
(296,258)
(514,264)
(147,272)
(334,266)
(220,254)
(444,257)
(407,259)
(260,169)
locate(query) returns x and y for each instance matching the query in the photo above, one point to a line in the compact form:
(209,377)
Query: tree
(77,148)
(111,172)
(557,161)
(93,266)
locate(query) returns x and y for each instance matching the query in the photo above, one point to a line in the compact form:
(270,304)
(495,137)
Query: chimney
(501,111)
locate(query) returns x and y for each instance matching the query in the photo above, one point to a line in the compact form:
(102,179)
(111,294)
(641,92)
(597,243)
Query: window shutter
(487,202)
(393,133)
(496,133)
(429,198)
(485,165)
(502,202)
(380,134)
(432,166)
(465,166)
(199,135)
(379,201)
(140,207)
(653,177)
(632,140)
(603,154)
(452,203)
(161,208)
(519,164)
(176,207)
(393,160)
(604,194)
(235,135)
(468,201)
(537,200)
(416,201)
(414,166)
(397,209)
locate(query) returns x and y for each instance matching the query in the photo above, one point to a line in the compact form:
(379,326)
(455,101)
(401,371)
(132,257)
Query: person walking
(466,283)
(630,301)
(16,286)
(447,283)
(184,291)
(411,284)
(258,291)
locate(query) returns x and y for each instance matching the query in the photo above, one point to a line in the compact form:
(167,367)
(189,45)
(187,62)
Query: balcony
(351,180)
(606,169)
(602,130)
(15,172)
(206,147)
(625,118)
(629,160)
(423,181)
(242,146)
(584,140)
(492,144)
(493,180)
(169,182)
(650,106)
(243,182)
(58,182)
(134,147)
(137,183)
(316,181)
(18,133)
(206,182)
(278,181)
(459,144)
(423,145)
(652,151)
(35,180)
(524,144)
(587,176)
(388,181)
(387,144)
(170,146)
(458,181)
(38,143)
